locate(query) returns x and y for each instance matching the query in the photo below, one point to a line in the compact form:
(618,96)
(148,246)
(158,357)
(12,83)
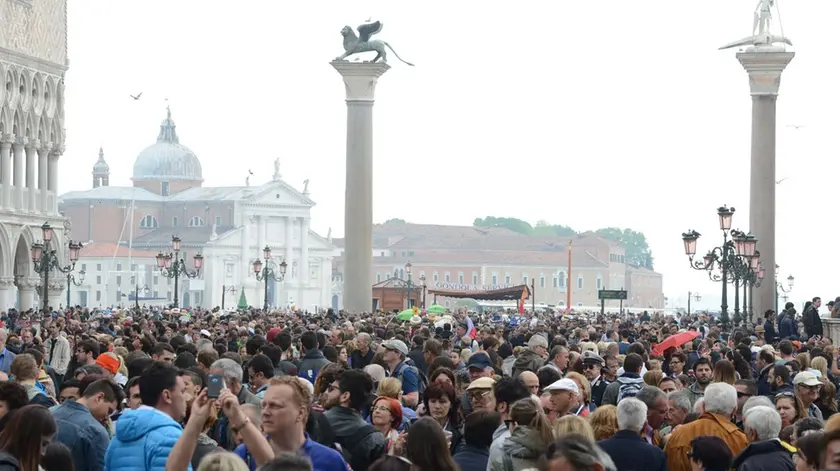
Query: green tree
(636,249)
(513,224)
(543,228)
(395,221)
(243,303)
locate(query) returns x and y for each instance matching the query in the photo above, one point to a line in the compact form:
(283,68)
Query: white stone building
(229,226)
(33,60)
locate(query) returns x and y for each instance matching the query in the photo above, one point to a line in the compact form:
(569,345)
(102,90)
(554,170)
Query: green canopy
(436,309)
(243,303)
(406,315)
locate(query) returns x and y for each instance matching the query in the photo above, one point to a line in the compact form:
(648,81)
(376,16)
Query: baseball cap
(479,360)
(564,384)
(482,383)
(806,378)
(538,341)
(397,345)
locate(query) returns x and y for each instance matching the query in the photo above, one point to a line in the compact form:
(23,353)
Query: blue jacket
(143,441)
(86,438)
(6,359)
(472,458)
(788,328)
(629,452)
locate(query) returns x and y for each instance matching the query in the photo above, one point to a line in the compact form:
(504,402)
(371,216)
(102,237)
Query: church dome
(167,159)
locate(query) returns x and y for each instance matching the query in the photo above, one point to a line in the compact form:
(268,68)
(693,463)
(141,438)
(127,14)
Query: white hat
(416,320)
(806,378)
(397,345)
(564,384)
(205,333)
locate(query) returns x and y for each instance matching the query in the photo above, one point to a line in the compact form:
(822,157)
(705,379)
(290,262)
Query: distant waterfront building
(229,226)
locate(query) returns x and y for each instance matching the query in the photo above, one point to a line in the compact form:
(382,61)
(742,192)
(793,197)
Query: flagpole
(569,280)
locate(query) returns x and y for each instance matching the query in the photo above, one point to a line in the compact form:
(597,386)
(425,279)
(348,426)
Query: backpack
(422,380)
(348,447)
(629,390)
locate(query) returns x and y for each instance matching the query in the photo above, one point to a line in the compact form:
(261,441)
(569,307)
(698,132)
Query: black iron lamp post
(780,288)
(45,260)
(225,290)
(423,285)
(696,297)
(137,289)
(408,289)
(72,280)
(172,265)
(268,273)
(737,248)
(752,278)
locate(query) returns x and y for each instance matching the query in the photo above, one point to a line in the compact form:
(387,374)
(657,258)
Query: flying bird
(796,126)
(250,172)
(780,181)
(136,97)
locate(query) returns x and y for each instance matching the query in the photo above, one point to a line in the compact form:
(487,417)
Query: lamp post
(73,281)
(408,275)
(137,289)
(227,289)
(267,272)
(423,285)
(780,288)
(696,297)
(45,260)
(172,265)
(753,279)
(737,248)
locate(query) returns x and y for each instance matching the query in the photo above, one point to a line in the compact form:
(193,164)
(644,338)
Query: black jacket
(8,462)
(350,432)
(359,361)
(311,363)
(416,355)
(812,321)
(766,455)
(472,458)
(631,452)
(770,334)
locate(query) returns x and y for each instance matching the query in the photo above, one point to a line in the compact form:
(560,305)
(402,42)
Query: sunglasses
(477,396)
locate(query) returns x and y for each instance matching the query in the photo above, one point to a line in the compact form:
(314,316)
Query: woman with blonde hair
(604,421)
(392,388)
(820,364)
(585,397)
(652,377)
(569,424)
(804,360)
(222,461)
(529,437)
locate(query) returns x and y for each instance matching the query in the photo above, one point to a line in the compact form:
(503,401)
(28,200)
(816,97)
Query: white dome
(167,159)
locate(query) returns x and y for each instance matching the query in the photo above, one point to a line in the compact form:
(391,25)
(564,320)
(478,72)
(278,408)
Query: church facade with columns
(33,61)
(230,226)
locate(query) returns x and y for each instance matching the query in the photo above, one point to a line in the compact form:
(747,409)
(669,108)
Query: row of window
(559,281)
(150,222)
(99,267)
(119,295)
(616,258)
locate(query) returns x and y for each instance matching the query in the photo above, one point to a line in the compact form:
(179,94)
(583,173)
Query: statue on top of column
(761,34)
(276,176)
(354,44)
(306,187)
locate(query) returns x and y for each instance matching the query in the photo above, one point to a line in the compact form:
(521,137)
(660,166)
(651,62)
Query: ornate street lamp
(225,290)
(734,258)
(696,297)
(268,273)
(172,265)
(423,285)
(137,289)
(408,276)
(781,288)
(72,280)
(45,260)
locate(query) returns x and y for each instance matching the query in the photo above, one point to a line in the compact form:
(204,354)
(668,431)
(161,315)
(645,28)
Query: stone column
(43,154)
(764,64)
(360,80)
(8,294)
(59,298)
(247,257)
(26,287)
(17,193)
(53,178)
(6,168)
(31,186)
(304,251)
(289,248)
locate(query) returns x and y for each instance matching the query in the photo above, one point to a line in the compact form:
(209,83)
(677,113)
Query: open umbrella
(406,315)
(436,309)
(675,341)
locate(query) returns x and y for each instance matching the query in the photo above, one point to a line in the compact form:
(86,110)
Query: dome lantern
(101,171)
(167,160)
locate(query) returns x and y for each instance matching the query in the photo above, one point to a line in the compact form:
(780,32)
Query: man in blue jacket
(145,436)
(80,424)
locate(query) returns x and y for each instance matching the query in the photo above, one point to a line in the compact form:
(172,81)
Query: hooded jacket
(694,393)
(766,455)
(312,362)
(524,448)
(612,391)
(8,462)
(528,360)
(143,441)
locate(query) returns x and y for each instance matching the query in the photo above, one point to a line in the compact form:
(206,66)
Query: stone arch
(6,120)
(49,96)
(22,260)
(17,124)
(43,129)
(37,93)
(30,129)
(56,132)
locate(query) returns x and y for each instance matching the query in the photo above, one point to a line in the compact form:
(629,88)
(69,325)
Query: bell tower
(101,171)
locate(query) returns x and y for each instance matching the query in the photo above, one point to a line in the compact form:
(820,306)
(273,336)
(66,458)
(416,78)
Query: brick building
(468,258)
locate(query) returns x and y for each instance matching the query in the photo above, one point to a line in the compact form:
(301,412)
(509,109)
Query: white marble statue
(306,186)
(248,180)
(762,36)
(277,168)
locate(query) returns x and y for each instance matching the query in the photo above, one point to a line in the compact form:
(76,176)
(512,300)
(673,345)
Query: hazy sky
(589,114)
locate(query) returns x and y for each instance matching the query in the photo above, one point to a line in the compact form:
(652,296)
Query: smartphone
(215,384)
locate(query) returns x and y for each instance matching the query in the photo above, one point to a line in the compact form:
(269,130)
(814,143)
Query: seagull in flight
(780,181)
(250,172)
(796,126)
(136,97)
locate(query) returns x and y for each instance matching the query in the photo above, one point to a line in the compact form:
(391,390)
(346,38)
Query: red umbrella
(675,340)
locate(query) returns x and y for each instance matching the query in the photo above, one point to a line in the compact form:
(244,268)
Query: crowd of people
(174,390)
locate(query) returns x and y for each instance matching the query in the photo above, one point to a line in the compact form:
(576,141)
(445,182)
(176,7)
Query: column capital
(22,141)
(57,150)
(45,146)
(360,78)
(765,66)
(6,139)
(33,144)
(6,283)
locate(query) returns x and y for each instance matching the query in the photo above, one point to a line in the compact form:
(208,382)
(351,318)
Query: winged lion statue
(354,44)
